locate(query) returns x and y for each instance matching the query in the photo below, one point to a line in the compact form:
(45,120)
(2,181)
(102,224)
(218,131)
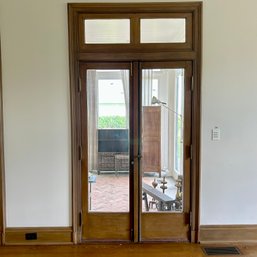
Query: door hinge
(190,219)
(132,234)
(192,83)
(80,153)
(79,85)
(191,152)
(80,218)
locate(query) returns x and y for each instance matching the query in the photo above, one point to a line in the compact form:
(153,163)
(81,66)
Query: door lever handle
(136,157)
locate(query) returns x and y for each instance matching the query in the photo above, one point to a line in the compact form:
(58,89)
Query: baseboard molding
(228,234)
(38,236)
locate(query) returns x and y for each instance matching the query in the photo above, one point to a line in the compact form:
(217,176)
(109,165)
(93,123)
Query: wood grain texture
(191,51)
(106,227)
(2,180)
(164,227)
(1,152)
(75,121)
(196,126)
(121,250)
(134,12)
(98,226)
(135,204)
(54,235)
(228,233)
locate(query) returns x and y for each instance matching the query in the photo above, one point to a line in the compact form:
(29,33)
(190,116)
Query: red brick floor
(110,192)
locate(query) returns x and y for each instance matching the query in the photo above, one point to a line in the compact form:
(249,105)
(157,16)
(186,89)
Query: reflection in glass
(107,31)
(108,140)
(162,139)
(163,30)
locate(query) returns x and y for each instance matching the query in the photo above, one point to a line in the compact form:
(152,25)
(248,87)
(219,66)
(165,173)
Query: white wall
(36,112)
(229,89)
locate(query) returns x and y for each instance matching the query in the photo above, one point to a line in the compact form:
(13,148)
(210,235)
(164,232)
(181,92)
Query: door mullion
(134,137)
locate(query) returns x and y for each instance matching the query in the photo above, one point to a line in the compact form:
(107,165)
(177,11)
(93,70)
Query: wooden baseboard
(228,234)
(38,236)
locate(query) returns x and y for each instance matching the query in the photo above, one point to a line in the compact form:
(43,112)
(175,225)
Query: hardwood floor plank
(113,250)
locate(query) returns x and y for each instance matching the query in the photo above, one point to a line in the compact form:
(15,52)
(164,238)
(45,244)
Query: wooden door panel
(107,226)
(156,226)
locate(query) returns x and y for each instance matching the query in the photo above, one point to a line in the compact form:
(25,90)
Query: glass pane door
(165,169)
(108,140)
(135,172)
(162,139)
(105,164)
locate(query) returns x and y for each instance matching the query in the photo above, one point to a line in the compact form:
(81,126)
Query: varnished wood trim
(75,121)
(134,150)
(107,227)
(1,150)
(2,184)
(98,226)
(135,37)
(193,54)
(196,125)
(134,12)
(162,228)
(48,235)
(228,234)
(137,56)
(154,7)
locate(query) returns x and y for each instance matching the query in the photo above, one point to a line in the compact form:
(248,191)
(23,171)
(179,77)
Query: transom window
(138,31)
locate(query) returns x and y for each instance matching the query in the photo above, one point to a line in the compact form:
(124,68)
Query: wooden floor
(120,250)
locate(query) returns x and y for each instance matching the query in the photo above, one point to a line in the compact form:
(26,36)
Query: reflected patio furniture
(121,162)
(164,202)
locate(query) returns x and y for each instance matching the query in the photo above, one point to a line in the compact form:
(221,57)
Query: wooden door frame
(2,181)
(152,53)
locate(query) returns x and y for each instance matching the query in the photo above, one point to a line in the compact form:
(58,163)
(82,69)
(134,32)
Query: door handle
(136,157)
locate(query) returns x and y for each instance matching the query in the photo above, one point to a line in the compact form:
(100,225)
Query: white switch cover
(215,134)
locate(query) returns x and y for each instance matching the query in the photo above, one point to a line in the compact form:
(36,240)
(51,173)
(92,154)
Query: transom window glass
(107,31)
(163,30)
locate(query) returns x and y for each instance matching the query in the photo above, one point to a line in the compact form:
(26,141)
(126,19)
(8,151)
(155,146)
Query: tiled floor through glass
(109,191)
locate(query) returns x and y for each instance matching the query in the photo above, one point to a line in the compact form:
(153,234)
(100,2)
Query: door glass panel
(107,31)
(108,140)
(162,140)
(163,30)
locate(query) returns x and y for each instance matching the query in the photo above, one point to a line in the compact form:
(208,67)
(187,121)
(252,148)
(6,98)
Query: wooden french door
(165,142)
(106,156)
(135,137)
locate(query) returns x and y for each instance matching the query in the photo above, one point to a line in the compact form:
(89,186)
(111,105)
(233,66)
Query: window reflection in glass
(162,140)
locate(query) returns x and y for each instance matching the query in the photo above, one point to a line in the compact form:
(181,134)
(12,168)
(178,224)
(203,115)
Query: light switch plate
(215,135)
